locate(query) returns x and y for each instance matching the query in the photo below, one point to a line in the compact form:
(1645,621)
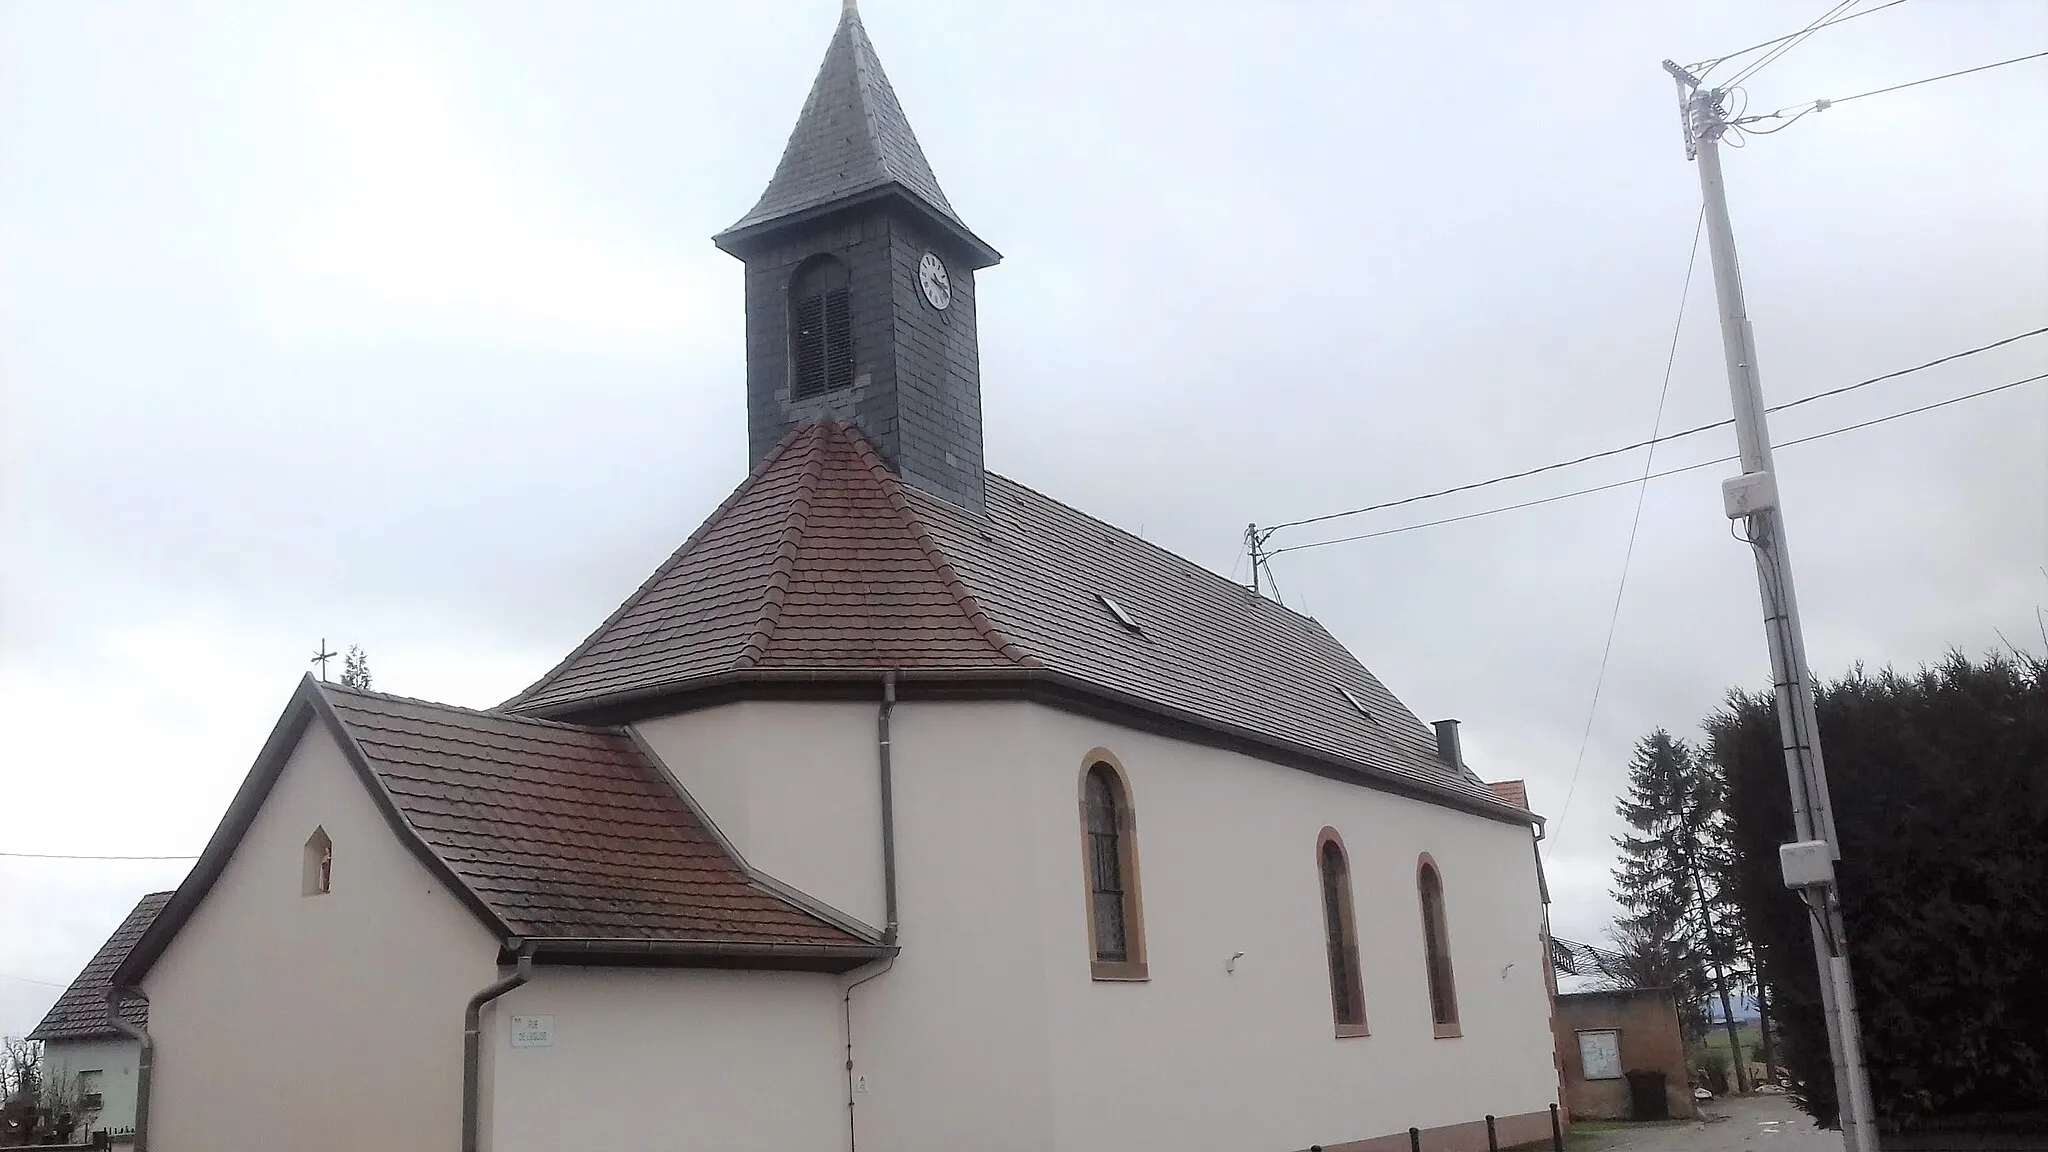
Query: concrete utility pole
(1753,497)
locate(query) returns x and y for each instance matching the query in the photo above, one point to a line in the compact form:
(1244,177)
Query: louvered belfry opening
(821,329)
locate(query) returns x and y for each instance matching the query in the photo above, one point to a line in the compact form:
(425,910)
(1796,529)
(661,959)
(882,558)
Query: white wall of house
(793,787)
(1199,1057)
(114,1059)
(954,1039)
(989,1033)
(668,1058)
(317,1023)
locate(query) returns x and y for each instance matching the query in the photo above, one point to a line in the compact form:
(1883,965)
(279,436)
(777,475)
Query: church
(901,809)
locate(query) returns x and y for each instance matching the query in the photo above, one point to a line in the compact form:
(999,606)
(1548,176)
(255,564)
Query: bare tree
(21,1089)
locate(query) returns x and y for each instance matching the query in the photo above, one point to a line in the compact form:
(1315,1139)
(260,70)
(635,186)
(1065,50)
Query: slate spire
(860,294)
(852,143)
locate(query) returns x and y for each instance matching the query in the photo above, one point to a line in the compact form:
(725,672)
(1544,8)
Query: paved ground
(1755,1124)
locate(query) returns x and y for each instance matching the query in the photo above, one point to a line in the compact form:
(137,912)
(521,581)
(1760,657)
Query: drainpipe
(143,1063)
(882,755)
(472,1040)
(882,718)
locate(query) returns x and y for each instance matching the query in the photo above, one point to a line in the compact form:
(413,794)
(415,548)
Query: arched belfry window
(1436,949)
(820,329)
(317,871)
(1109,857)
(1340,935)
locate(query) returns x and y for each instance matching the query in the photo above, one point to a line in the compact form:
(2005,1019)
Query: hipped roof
(823,565)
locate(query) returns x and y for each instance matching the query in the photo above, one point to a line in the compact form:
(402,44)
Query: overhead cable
(1703,67)
(1824,104)
(1635,523)
(72,856)
(1604,453)
(1655,475)
(1794,41)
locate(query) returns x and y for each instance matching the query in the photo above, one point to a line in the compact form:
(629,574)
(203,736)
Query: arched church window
(1340,935)
(1436,949)
(821,329)
(1116,924)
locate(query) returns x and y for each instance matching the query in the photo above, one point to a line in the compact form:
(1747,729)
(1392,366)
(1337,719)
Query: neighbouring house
(1609,1036)
(97,1063)
(903,807)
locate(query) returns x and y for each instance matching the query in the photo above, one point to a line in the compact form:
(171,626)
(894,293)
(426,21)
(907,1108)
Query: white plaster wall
(793,786)
(115,1059)
(954,1038)
(1198,1058)
(669,1059)
(315,1023)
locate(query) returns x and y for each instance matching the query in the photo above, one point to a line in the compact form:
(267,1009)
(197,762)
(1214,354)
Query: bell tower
(860,285)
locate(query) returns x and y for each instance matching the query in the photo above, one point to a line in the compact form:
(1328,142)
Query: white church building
(902,809)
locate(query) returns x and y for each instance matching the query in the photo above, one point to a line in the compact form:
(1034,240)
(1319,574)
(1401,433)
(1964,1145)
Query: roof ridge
(795,524)
(488,713)
(969,604)
(761,468)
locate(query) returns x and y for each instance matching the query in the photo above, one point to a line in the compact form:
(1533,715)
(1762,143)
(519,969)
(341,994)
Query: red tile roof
(823,563)
(1513,791)
(564,831)
(817,562)
(81,1012)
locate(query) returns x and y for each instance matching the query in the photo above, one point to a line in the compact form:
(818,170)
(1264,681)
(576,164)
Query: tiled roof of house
(818,562)
(851,138)
(1204,646)
(1513,791)
(564,831)
(823,563)
(81,1012)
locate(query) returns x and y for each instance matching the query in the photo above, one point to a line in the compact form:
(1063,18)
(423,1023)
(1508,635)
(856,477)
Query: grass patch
(1752,1038)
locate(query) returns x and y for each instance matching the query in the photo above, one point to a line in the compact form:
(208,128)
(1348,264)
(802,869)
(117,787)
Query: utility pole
(1808,864)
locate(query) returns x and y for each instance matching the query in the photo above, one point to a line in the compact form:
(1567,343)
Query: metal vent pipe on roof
(1449,748)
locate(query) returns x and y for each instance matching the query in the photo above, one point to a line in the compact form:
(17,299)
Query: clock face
(931,276)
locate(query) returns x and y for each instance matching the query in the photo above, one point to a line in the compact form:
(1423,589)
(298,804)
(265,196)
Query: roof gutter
(1047,686)
(145,1063)
(605,948)
(472,1044)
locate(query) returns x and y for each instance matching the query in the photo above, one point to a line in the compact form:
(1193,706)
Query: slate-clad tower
(860,285)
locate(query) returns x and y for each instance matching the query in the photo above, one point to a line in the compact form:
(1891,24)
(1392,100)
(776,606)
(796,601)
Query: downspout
(882,718)
(144,1063)
(882,755)
(472,1041)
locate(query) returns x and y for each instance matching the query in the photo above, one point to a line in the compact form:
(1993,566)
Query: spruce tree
(355,669)
(1674,865)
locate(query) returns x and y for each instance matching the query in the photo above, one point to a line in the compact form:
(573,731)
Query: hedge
(1940,788)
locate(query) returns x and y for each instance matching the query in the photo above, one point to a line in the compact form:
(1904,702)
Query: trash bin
(1646,1096)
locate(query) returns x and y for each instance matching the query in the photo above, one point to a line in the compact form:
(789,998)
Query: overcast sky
(399,325)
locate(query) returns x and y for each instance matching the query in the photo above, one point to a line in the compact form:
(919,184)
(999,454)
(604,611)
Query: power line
(76,856)
(1601,455)
(1703,67)
(1653,475)
(32,980)
(1791,42)
(1824,104)
(1635,524)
